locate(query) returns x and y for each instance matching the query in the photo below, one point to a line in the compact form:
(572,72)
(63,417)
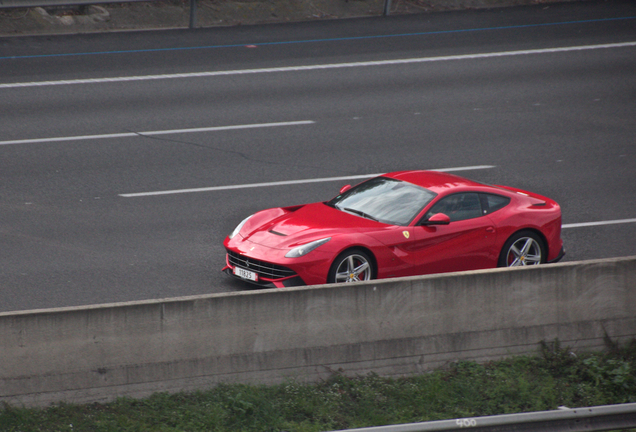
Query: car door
(466,243)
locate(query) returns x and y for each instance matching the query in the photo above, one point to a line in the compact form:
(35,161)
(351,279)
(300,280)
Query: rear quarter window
(492,202)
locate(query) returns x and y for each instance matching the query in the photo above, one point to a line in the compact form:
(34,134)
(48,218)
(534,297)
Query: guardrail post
(387,7)
(193,13)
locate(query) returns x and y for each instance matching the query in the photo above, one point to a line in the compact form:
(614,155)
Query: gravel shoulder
(172,14)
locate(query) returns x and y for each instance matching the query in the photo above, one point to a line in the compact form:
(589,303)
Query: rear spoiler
(535,199)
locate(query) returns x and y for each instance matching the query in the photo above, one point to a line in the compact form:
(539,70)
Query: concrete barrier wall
(392,327)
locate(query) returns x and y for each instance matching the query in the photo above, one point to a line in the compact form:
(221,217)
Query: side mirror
(344,189)
(437,219)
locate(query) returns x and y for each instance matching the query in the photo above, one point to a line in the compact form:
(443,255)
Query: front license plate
(245,274)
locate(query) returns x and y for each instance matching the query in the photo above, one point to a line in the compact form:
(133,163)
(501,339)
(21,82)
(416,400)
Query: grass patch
(465,389)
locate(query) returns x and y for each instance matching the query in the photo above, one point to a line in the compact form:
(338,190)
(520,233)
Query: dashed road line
(599,223)
(284,183)
(154,133)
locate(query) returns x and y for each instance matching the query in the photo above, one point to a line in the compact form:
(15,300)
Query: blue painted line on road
(151,50)
(313,67)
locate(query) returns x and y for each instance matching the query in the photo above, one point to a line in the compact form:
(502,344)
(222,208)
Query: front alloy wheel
(353,266)
(522,249)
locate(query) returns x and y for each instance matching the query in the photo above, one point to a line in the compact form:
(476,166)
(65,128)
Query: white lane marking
(152,133)
(318,67)
(285,183)
(589,224)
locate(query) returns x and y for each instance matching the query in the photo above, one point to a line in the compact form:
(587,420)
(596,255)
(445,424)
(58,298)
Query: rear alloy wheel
(525,248)
(351,266)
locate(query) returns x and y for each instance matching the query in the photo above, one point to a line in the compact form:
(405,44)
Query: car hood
(284,229)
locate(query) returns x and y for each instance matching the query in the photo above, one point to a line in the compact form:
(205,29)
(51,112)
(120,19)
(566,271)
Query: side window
(492,202)
(458,207)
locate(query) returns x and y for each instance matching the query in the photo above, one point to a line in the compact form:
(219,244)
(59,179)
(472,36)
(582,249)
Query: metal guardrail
(599,418)
(53,3)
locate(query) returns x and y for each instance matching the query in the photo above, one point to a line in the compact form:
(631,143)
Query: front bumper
(262,283)
(269,275)
(278,270)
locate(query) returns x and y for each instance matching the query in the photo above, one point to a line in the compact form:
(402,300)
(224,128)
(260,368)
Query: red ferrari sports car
(398,224)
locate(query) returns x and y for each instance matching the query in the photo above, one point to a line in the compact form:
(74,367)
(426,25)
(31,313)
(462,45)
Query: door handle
(490,229)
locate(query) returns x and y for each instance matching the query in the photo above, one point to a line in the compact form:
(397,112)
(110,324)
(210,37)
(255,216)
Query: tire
(524,248)
(351,266)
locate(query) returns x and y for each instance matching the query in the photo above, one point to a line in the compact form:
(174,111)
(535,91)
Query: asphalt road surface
(120,153)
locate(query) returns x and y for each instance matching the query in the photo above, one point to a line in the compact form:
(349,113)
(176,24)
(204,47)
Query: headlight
(239,226)
(306,248)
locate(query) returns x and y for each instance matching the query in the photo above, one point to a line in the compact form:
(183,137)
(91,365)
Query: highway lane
(65,57)
(557,123)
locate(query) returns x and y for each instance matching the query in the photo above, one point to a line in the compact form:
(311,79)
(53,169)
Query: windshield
(385,200)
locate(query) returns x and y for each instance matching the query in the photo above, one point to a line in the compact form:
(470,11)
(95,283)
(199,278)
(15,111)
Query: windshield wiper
(360,213)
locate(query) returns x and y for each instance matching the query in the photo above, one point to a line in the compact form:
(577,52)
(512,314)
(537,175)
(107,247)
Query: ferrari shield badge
(406,234)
